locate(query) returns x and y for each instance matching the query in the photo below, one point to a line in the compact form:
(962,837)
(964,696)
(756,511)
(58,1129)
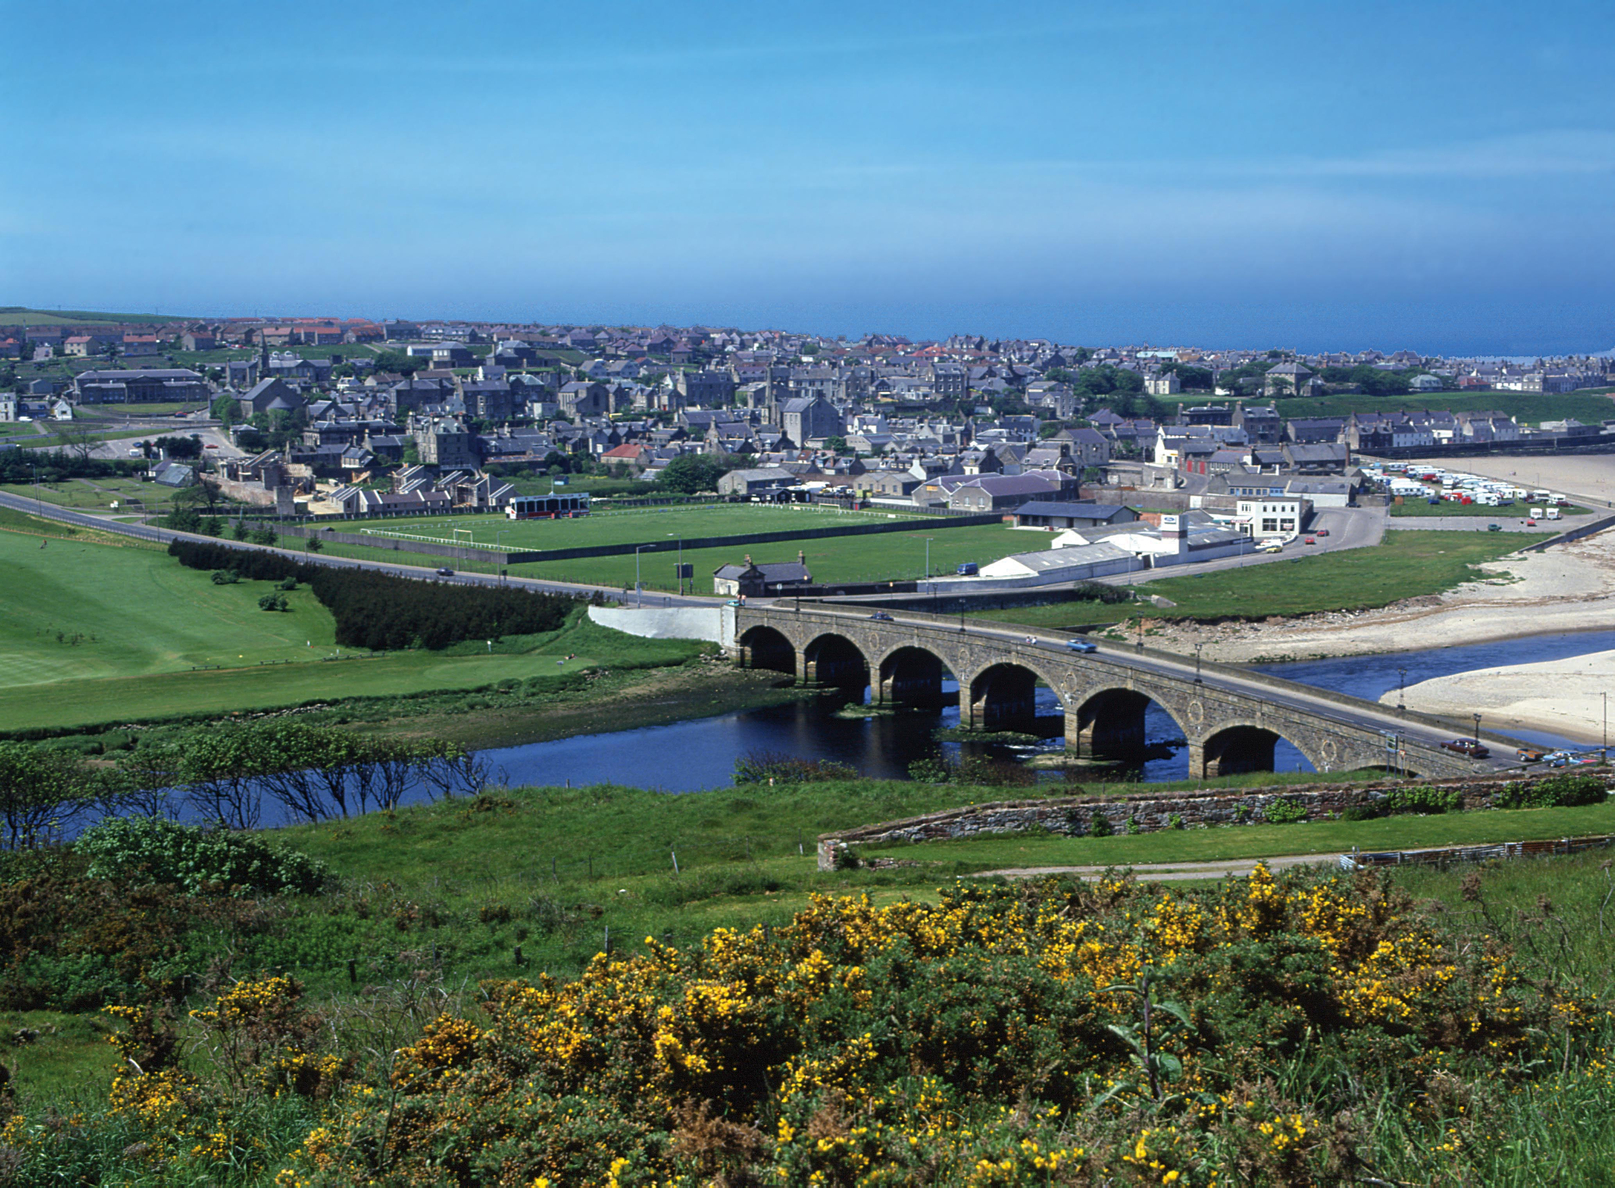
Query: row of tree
(224,774)
(385,613)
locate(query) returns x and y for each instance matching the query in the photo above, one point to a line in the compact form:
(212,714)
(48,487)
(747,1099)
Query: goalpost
(467,533)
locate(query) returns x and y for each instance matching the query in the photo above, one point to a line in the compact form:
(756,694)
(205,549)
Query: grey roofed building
(1072,515)
(762,478)
(173,474)
(752,581)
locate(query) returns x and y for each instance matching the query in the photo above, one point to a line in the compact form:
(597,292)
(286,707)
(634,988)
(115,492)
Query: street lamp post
(928,558)
(1197,648)
(1401,690)
(681,564)
(639,587)
(1603,752)
(497,538)
(1477,729)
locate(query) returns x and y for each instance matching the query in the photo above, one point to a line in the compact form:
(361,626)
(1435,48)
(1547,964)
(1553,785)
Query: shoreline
(1567,697)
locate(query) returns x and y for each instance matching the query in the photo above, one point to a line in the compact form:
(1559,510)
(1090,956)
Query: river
(686,756)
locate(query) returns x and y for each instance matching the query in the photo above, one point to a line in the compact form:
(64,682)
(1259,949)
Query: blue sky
(1436,176)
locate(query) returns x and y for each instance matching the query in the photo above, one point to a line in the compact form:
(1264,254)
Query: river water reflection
(686,756)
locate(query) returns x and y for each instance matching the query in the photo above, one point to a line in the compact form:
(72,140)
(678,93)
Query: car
(734,602)
(1528,755)
(1530,523)
(1274,547)
(1466,746)
(1082,645)
(445,572)
(967,569)
(1494,527)
(883,617)
(1312,540)
(1323,532)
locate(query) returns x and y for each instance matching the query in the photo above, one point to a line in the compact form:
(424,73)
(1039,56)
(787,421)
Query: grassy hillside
(20,315)
(1404,565)
(96,633)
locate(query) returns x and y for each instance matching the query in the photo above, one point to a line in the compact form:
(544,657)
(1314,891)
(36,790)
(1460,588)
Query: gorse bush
(1055,1033)
(198,861)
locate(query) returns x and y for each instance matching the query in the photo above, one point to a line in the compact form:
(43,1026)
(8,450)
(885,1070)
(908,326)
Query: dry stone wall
(1146,812)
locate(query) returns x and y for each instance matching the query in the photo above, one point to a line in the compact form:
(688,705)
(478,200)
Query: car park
(1081,645)
(1466,746)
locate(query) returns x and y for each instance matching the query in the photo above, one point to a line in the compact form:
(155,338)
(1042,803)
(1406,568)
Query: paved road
(1357,714)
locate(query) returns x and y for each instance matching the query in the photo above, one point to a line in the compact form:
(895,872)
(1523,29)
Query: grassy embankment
(1404,565)
(556,872)
(1512,511)
(97,494)
(97,634)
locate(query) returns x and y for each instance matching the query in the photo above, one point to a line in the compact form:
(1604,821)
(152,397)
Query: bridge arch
(1236,747)
(830,658)
(766,647)
(1002,695)
(910,674)
(1109,719)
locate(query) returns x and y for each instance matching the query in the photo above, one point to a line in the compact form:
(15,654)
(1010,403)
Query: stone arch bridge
(1229,719)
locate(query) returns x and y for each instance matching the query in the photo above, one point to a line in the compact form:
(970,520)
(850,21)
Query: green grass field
(95,494)
(1404,565)
(638,525)
(1415,508)
(17,315)
(96,633)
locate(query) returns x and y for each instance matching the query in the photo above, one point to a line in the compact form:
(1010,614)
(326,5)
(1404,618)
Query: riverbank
(607,703)
(1563,697)
(1565,588)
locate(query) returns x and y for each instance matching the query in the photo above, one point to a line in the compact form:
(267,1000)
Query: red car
(1310,540)
(1466,746)
(1322,532)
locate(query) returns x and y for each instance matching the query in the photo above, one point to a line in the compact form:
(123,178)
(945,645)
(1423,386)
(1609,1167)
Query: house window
(1270,525)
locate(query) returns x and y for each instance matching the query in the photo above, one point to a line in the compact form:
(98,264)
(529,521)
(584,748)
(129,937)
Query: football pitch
(630,526)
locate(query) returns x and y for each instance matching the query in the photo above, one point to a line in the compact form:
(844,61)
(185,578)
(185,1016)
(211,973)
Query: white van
(1553,513)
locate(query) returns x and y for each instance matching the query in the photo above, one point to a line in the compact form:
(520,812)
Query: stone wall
(1149,812)
(713,623)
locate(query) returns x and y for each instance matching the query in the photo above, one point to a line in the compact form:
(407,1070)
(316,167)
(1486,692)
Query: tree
(40,792)
(224,409)
(412,453)
(836,444)
(691,473)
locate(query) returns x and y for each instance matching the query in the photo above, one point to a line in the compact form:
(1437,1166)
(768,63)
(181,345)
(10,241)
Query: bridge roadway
(1230,717)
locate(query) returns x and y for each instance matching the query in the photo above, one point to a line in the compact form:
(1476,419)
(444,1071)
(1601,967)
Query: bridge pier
(837,670)
(994,710)
(914,679)
(1110,724)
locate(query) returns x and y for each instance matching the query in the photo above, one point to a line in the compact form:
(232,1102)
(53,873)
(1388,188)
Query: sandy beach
(1565,588)
(1564,697)
(1591,476)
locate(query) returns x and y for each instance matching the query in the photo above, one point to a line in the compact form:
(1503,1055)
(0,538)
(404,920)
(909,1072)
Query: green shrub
(1362,812)
(1560,791)
(1284,812)
(273,602)
(760,767)
(1423,800)
(225,577)
(1099,825)
(196,860)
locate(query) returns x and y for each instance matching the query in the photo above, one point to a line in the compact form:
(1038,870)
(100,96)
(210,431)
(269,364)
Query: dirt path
(1166,872)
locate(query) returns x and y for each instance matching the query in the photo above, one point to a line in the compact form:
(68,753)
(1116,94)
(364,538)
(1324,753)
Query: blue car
(1081,645)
